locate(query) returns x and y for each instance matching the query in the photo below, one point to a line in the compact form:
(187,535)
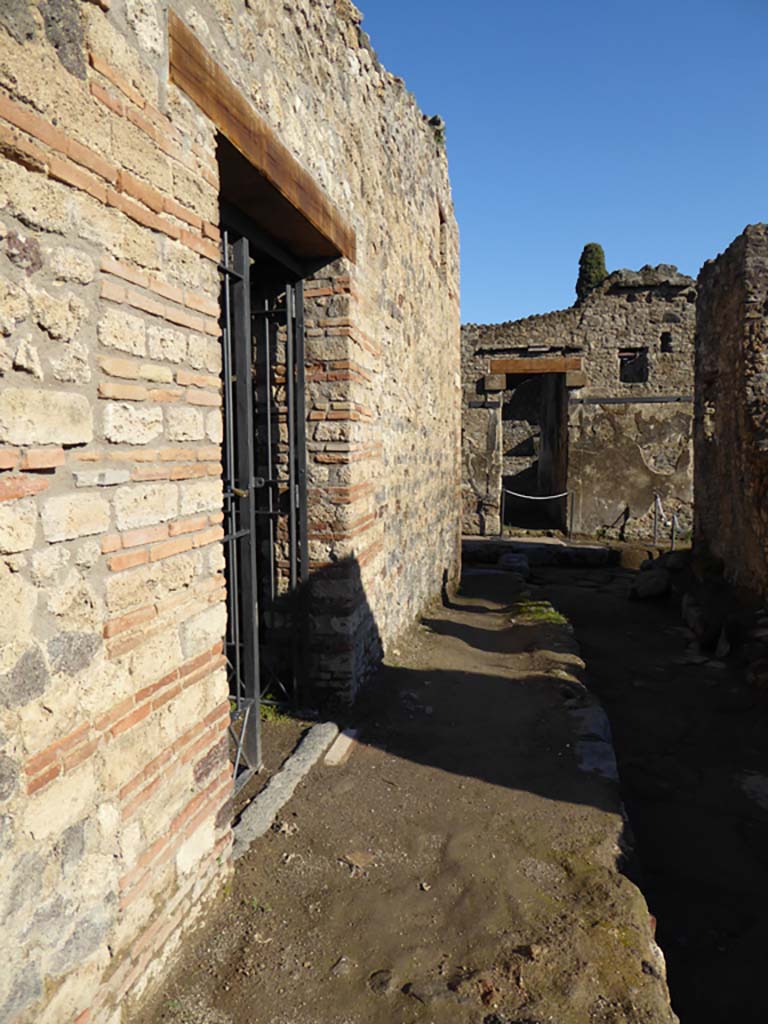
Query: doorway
(535,450)
(265,479)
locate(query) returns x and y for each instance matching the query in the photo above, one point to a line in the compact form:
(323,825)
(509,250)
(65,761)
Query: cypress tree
(592,270)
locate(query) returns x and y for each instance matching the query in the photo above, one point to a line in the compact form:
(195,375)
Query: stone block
(31,416)
(167,343)
(202,631)
(18,523)
(146,504)
(200,496)
(196,847)
(576,379)
(185,423)
(129,423)
(100,477)
(61,804)
(68,516)
(495,381)
(27,679)
(123,331)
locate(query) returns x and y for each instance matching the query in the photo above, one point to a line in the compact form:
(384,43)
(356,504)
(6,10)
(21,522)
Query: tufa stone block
(31,416)
(495,381)
(69,516)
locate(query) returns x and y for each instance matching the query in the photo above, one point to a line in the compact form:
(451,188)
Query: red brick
(100,93)
(216,517)
(85,1016)
(9,458)
(110,542)
(165,697)
(135,716)
(42,780)
(202,303)
(87,158)
(80,754)
(188,525)
(166,395)
(140,190)
(211,231)
(188,472)
(141,797)
(42,458)
(12,487)
(112,292)
(125,87)
(146,303)
(211,453)
(127,560)
(199,380)
(123,392)
(168,291)
(183,318)
(119,625)
(70,174)
(169,547)
(209,398)
(124,271)
(181,213)
(144,535)
(200,246)
(209,536)
(114,713)
(117,367)
(212,328)
(148,691)
(32,124)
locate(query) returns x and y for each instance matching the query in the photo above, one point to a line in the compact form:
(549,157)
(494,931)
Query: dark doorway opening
(265,480)
(535,451)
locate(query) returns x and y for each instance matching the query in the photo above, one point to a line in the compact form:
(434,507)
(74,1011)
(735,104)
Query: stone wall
(731,439)
(115,780)
(629,409)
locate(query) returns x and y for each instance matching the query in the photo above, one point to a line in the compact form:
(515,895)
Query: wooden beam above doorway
(536,364)
(194,71)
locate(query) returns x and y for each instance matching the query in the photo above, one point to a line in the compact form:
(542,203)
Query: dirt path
(459,868)
(691,747)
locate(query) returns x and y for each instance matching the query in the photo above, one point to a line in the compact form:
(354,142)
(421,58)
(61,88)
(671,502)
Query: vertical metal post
(290,392)
(655,519)
(301,433)
(245,500)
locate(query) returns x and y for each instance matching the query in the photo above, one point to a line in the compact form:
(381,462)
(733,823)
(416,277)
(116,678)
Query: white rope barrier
(536,497)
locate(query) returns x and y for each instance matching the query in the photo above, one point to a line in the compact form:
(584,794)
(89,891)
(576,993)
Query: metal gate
(265,480)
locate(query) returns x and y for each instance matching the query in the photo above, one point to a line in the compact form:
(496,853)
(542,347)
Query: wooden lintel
(536,364)
(194,71)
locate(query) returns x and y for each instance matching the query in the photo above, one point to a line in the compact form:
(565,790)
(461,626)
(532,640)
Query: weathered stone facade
(611,420)
(115,780)
(731,433)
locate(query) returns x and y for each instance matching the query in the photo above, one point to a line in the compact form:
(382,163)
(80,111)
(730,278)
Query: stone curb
(257,818)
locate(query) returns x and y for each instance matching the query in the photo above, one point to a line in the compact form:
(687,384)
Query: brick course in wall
(115,781)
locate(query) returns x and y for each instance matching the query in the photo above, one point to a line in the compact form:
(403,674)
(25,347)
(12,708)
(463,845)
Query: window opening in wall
(666,341)
(633,365)
(265,487)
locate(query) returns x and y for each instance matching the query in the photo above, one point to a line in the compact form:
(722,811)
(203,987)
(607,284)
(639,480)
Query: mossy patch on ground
(531,612)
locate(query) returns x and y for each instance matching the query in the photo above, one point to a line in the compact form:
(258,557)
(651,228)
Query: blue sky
(640,126)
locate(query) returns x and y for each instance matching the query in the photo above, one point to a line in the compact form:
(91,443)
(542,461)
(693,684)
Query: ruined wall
(731,438)
(114,775)
(637,325)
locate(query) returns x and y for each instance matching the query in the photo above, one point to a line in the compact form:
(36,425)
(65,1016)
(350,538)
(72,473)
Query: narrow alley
(691,740)
(464,865)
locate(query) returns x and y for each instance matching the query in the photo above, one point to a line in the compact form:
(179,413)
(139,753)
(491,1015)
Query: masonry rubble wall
(115,782)
(731,428)
(622,451)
